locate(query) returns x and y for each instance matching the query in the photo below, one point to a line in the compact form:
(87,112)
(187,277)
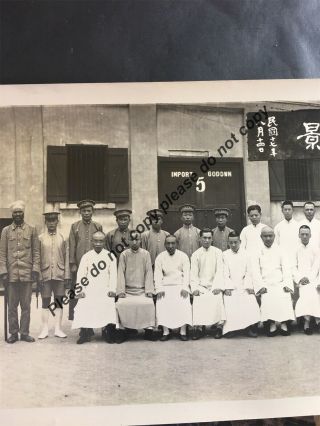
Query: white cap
(17,205)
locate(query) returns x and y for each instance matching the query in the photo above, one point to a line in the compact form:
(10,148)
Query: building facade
(134,155)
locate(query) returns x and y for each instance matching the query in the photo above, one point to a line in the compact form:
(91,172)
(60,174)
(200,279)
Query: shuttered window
(294,179)
(76,172)
(85,170)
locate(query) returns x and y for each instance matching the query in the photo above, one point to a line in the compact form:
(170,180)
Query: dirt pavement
(57,372)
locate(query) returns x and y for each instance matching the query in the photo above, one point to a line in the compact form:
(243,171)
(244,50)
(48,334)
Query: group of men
(188,281)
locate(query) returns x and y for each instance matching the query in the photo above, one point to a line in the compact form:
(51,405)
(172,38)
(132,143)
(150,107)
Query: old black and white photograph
(159,253)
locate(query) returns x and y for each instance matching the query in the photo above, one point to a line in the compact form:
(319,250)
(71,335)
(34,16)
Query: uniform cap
(187,208)
(122,212)
(155,212)
(218,212)
(85,203)
(51,213)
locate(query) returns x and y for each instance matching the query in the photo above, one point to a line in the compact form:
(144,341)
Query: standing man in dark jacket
(19,267)
(117,239)
(80,241)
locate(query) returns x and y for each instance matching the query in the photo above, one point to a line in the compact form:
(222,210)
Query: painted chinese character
(260,131)
(260,144)
(272,121)
(273,152)
(273,144)
(261,149)
(273,131)
(311,136)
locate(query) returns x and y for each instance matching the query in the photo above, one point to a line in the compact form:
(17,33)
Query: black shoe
(165,337)
(26,338)
(120,336)
(284,332)
(83,339)
(197,334)
(183,337)
(150,335)
(218,333)
(13,338)
(308,331)
(109,333)
(251,331)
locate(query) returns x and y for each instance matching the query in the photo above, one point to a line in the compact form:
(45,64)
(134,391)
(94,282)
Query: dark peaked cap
(187,208)
(155,212)
(85,203)
(122,212)
(220,211)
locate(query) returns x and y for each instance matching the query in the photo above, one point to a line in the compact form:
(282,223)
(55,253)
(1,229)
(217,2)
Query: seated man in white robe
(172,276)
(135,289)
(207,287)
(242,309)
(272,279)
(305,275)
(96,290)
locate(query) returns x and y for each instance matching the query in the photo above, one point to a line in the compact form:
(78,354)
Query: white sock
(165,331)
(183,330)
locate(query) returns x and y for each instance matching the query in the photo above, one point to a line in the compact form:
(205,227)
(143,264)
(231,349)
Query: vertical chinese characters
(273,135)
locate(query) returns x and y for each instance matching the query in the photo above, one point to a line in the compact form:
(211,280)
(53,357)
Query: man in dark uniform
(19,267)
(80,242)
(154,240)
(188,236)
(118,239)
(221,232)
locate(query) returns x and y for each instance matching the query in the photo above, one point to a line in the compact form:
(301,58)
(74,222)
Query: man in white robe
(96,290)
(251,235)
(242,309)
(287,232)
(172,286)
(272,279)
(305,275)
(206,282)
(309,211)
(135,289)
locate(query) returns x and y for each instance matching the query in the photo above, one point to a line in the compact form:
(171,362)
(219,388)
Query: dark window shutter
(296,178)
(117,175)
(86,172)
(56,174)
(277,180)
(314,174)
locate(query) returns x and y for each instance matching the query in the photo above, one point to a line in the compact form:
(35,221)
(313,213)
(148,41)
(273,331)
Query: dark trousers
(19,293)
(72,302)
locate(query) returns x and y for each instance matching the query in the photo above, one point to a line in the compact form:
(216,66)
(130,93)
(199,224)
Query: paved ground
(57,372)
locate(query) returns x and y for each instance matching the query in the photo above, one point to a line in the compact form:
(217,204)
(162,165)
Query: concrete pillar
(29,162)
(8,160)
(143,160)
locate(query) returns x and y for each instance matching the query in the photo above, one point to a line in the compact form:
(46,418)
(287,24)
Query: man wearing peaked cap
(153,240)
(85,203)
(221,231)
(187,208)
(80,241)
(188,235)
(54,271)
(19,267)
(119,236)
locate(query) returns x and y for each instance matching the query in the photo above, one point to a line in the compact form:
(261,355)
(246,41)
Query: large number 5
(201,185)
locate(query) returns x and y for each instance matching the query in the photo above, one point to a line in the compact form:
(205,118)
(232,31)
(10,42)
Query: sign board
(221,185)
(285,134)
